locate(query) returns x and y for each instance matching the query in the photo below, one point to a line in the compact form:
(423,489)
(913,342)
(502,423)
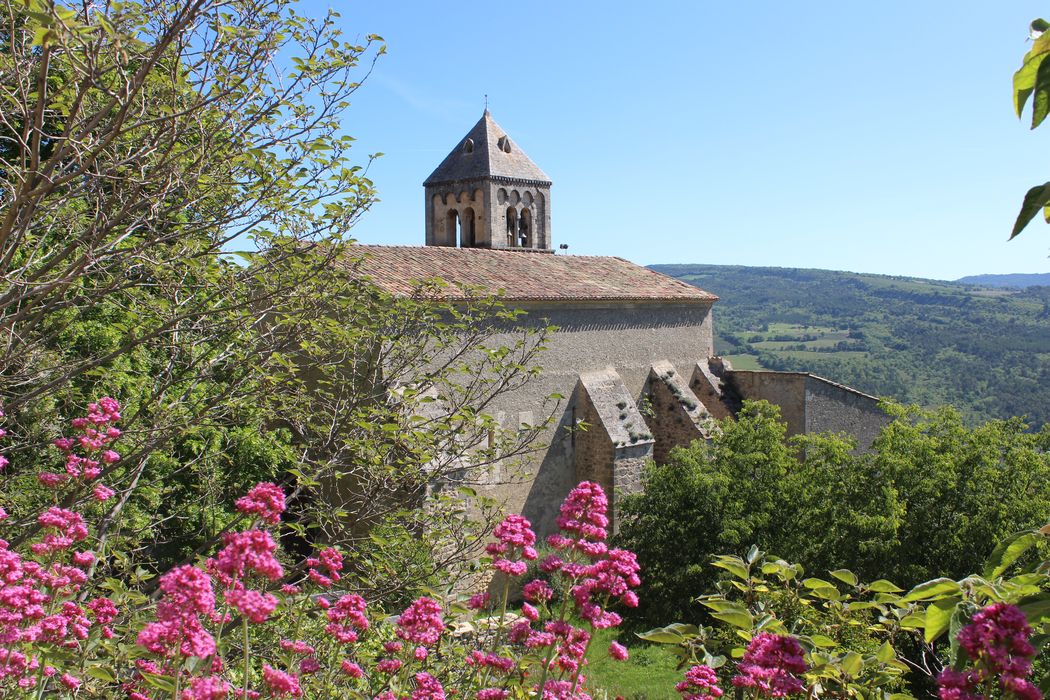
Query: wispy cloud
(444,108)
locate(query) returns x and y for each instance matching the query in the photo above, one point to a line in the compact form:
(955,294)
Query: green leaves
(1010,550)
(1031,77)
(1035,199)
(936,588)
(671,634)
(938,617)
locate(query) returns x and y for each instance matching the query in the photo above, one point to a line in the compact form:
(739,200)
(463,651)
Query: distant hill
(1014,280)
(985,350)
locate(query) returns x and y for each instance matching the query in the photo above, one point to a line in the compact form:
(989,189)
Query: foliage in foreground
(813,500)
(966,638)
(245,622)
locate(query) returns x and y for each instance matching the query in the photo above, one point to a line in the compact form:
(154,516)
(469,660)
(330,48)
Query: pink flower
(420,653)
(246,552)
(187,591)
(618,651)
(265,500)
(83,559)
(50,479)
(351,669)
(297,647)
(103,610)
(537,591)
(427,688)
(350,608)
(770,664)
(206,688)
(583,514)
(281,683)
(701,683)
(492,694)
(102,493)
(958,685)
(996,641)
(421,622)
(510,568)
(478,601)
(71,682)
(388,665)
(254,605)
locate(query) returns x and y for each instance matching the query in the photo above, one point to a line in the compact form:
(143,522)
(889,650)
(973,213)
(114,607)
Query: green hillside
(985,350)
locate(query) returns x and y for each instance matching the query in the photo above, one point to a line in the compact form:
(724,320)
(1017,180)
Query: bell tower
(488,194)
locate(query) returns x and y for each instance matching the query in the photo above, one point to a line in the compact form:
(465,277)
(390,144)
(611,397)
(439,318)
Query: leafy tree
(927,500)
(176,201)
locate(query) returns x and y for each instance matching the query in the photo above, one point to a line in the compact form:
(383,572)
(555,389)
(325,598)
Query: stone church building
(633,353)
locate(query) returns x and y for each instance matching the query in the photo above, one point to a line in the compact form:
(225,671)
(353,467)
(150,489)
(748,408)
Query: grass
(648,674)
(744,361)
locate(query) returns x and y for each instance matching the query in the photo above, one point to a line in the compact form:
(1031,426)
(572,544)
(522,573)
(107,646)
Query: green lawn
(648,674)
(744,361)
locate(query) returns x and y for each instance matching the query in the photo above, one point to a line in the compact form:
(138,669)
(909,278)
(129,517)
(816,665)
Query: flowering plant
(244,623)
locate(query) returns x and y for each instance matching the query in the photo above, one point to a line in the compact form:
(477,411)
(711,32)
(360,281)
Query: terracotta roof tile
(520,276)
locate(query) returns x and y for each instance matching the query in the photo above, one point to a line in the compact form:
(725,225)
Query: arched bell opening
(468,230)
(452,227)
(512,227)
(525,239)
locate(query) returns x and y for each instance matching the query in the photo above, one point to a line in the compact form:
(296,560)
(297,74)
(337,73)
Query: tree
(176,200)
(927,501)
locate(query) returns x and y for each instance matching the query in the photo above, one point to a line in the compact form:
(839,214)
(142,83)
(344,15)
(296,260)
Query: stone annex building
(634,352)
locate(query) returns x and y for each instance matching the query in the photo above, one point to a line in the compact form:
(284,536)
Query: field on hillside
(984,350)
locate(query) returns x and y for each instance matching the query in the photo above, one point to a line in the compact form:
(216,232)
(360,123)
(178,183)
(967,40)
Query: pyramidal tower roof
(486,152)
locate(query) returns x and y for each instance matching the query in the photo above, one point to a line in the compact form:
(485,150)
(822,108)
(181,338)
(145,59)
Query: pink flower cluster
(265,500)
(595,575)
(514,539)
(39,590)
(244,553)
(770,665)
(701,683)
(996,642)
(179,631)
(331,562)
(347,618)
(97,432)
(421,622)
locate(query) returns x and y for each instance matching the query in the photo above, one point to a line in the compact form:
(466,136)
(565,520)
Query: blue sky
(871,137)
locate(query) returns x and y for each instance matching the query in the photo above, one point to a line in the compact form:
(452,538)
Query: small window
(468,146)
(504,144)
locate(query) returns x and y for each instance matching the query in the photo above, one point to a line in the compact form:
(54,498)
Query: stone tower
(488,194)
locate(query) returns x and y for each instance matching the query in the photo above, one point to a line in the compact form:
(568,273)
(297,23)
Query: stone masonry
(633,353)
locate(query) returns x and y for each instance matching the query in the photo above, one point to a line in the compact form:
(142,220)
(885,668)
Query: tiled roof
(492,154)
(520,276)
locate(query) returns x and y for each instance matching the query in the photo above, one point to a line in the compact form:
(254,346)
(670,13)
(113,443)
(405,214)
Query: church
(633,354)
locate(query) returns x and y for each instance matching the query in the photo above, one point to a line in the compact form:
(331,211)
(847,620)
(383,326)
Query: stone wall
(835,408)
(627,338)
(674,414)
(812,404)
